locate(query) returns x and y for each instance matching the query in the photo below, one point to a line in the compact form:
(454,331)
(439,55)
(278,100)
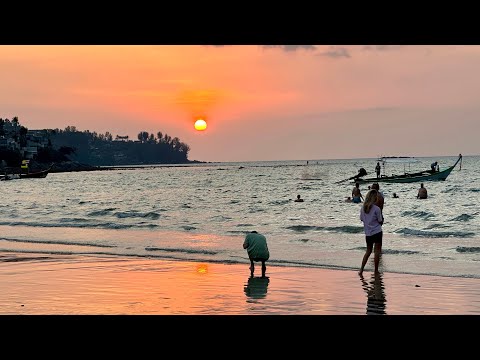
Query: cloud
(291,47)
(382,47)
(283,47)
(335,52)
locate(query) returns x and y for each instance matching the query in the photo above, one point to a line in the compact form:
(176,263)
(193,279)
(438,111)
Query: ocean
(201,212)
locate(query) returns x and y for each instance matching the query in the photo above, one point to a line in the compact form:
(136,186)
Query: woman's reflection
(376,299)
(256,287)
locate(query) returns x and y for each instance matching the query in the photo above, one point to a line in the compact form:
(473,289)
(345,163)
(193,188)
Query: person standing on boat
(434,166)
(422,192)
(377,169)
(372,218)
(357,196)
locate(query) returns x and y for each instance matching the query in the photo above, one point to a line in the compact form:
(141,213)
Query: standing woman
(372,219)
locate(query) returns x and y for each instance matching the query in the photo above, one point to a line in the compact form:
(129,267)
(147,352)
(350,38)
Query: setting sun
(200,125)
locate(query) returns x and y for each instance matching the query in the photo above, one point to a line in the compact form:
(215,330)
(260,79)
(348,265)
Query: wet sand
(70,284)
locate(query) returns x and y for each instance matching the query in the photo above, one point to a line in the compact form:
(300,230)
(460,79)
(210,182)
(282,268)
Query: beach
(46,284)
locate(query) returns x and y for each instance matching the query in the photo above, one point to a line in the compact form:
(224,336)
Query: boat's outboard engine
(362,172)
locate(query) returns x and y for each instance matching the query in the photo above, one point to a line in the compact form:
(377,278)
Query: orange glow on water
(202,268)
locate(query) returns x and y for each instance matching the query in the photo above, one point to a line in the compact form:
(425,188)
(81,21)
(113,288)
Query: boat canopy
(398,160)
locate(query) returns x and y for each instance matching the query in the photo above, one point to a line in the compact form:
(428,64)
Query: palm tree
(143,136)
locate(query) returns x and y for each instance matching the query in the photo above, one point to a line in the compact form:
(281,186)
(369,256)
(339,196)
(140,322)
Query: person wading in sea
(357,196)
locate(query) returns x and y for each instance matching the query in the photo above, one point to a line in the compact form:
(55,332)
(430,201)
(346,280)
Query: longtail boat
(407,177)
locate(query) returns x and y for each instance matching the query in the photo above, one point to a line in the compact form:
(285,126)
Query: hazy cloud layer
(335,52)
(382,47)
(291,47)
(283,47)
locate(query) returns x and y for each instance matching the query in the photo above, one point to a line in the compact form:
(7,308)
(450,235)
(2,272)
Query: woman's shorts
(376,238)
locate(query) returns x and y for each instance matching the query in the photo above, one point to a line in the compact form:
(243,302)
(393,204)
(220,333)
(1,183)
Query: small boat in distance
(35,175)
(407,177)
(29,175)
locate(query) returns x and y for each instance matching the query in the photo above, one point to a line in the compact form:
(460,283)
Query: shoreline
(78,284)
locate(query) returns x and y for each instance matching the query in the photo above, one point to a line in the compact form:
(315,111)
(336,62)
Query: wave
(391,251)
(341,229)
(418,214)
(349,229)
(186,251)
(309,264)
(251,211)
(135,214)
(98,225)
(463,217)
(73,220)
(25,258)
(466,249)
(399,252)
(58,242)
(279,202)
(101,212)
(220,218)
(307,240)
(434,234)
(301,228)
(436,226)
(188,228)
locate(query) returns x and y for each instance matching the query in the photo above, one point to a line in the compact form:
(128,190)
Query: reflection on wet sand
(375,290)
(256,287)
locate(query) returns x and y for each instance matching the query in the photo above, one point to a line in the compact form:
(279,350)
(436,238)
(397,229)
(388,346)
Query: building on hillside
(8,143)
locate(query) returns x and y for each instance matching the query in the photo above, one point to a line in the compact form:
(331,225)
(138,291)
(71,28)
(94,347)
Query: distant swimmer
(422,192)
(348,199)
(357,196)
(395,195)
(298,199)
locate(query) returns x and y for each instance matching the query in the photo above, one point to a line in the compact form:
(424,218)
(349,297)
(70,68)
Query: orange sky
(260,102)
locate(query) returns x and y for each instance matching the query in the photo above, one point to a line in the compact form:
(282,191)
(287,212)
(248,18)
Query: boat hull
(36,175)
(440,176)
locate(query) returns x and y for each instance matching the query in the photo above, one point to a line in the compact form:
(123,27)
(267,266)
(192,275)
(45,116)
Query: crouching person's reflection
(375,290)
(256,287)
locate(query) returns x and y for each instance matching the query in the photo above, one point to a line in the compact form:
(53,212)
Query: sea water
(201,212)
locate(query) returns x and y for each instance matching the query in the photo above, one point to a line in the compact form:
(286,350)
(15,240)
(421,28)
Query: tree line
(101,150)
(96,149)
